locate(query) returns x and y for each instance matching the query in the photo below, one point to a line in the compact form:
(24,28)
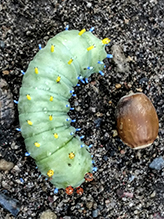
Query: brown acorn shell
(137,120)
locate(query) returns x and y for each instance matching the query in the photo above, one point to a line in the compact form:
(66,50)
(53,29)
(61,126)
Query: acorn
(137,120)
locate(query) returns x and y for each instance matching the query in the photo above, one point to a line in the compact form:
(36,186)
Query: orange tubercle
(88,177)
(79,190)
(69,190)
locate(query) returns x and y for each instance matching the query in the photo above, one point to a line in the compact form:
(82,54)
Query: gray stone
(157,163)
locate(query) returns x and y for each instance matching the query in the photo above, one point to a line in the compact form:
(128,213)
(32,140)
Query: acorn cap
(137,120)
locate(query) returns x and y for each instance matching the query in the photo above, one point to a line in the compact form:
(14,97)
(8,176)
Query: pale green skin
(54,153)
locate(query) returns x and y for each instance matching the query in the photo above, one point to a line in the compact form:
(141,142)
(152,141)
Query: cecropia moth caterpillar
(43,104)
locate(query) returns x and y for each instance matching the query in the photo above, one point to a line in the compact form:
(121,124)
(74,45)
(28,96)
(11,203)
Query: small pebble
(10,204)
(117,86)
(143,80)
(98,122)
(128,194)
(2,44)
(157,216)
(89,205)
(5,72)
(48,214)
(115,133)
(105,157)
(89,5)
(5,165)
(95,213)
(131,178)
(157,163)
(153,194)
(119,58)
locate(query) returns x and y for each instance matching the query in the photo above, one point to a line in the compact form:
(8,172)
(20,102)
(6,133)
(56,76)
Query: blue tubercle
(71,91)
(90,67)
(94,169)
(86,80)
(102,73)
(67,27)
(27,154)
(56,190)
(22,72)
(82,81)
(18,129)
(92,28)
(15,101)
(100,62)
(110,56)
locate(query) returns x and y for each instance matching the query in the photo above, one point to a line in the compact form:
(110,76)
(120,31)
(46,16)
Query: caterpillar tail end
(70,190)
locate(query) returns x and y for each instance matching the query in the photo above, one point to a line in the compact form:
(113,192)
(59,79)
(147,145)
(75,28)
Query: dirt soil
(124,185)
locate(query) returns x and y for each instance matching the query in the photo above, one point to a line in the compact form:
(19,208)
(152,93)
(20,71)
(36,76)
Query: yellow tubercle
(50,118)
(56,135)
(36,70)
(29,122)
(82,31)
(106,41)
(89,48)
(51,98)
(52,48)
(70,61)
(37,144)
(58,79)
(50,173)
(71,155)
(28,97)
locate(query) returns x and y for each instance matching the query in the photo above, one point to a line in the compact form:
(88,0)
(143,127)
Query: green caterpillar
(43,104)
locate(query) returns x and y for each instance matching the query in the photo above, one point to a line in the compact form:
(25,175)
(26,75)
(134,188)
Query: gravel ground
(124,186)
